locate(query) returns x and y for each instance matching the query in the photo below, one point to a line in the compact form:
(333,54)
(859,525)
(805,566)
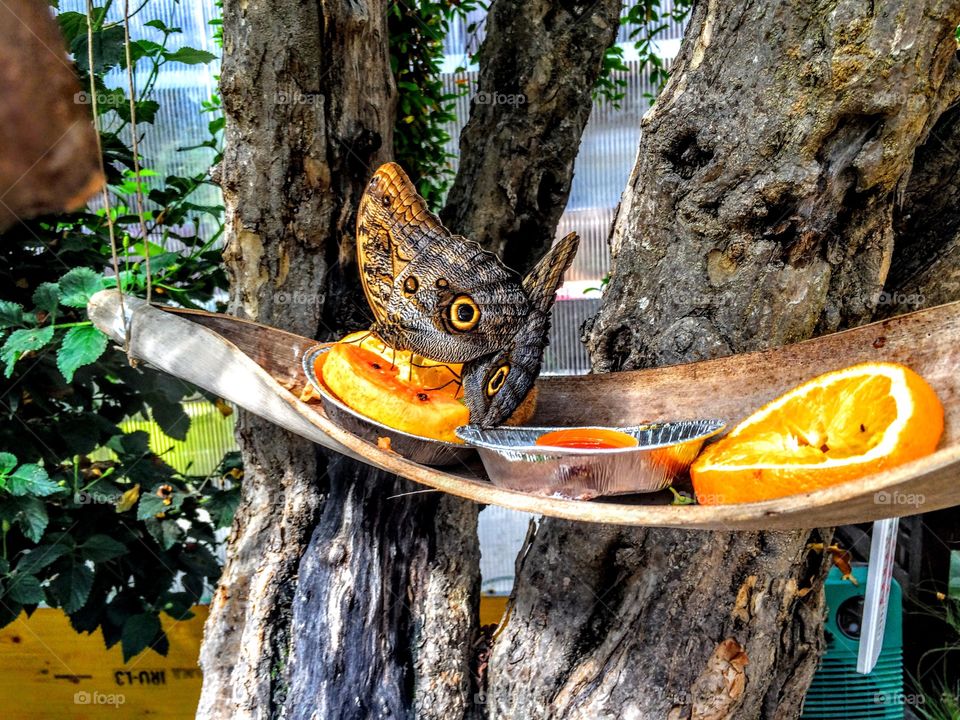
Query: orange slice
(837,427)
(371,386)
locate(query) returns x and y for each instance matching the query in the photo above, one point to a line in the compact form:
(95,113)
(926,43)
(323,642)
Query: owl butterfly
(496,384)
(432,292)
(444,297)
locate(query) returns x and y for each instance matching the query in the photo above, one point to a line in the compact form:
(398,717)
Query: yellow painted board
(492,608)
(49,671)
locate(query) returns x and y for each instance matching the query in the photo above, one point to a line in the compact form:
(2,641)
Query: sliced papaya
(417,370)
(372,386)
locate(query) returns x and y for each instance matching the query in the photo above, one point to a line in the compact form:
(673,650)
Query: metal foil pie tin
(424,451)
(513,459)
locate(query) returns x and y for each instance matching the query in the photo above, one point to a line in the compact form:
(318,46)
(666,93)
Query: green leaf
(32,517)
(41,556)
(46,297)
(146,112)
(11,314)
(9,612)
(167,533)
(72,25)
(21,342)
(194,586)
(223,506)
(78,286)
(108,49)
(130,446)
(24,589)
(159,25)
(149,473)
(151,505)
(139,632)
(81,346)
(179,606)
(31,479)
(190,56)
(170,388)
(8,461)
(144,48)
(171,417)
(198,560)
(100,548)
(71,586)
(161,645)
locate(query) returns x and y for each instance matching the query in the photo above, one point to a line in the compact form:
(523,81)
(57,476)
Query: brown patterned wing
(496,384)
(438,294)
(393,227)
(455,302)
(541,283)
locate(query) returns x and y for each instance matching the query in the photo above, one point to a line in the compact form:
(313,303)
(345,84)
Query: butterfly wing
(393,227)
(456,303)
(495,385)
(541,283)
(432,292)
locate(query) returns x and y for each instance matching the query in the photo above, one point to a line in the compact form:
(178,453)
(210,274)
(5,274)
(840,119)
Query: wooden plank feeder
(259,368)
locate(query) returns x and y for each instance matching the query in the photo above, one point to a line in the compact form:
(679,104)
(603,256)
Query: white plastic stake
(883,544)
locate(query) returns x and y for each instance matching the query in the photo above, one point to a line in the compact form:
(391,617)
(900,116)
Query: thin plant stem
(103,171)
(136,152)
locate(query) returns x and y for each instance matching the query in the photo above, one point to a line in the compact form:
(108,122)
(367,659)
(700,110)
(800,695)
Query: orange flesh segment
(414,369)
(836,427)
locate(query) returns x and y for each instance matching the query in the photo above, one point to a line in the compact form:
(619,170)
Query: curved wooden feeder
(258,368)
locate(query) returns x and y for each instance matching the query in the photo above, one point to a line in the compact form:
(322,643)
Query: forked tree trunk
(759,212)
(300,137)
(385,617)
(538,64)
(343,595)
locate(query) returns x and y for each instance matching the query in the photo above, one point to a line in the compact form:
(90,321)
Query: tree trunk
(386,603)
(308,97)
(49,159)
(343,594)
(759,212)
(926,257)
(538,62)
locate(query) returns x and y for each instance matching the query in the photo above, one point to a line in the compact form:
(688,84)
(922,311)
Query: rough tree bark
(759,212)
(926,257)
(341,597)
(529,111)
(300,137)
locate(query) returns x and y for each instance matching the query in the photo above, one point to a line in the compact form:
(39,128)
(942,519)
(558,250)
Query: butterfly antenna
(454,381)
(360,339)
(446,367)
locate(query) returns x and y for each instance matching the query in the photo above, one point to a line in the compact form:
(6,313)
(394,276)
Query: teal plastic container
(838,690)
